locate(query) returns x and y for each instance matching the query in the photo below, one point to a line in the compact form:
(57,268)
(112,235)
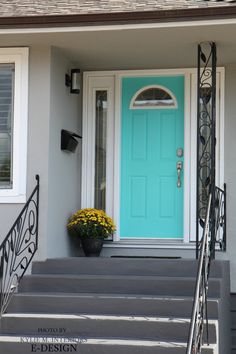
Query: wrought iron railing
(213,234)
(199,311)
(206,132)
(211,200)
(18,248)
(217,222)
(220,217)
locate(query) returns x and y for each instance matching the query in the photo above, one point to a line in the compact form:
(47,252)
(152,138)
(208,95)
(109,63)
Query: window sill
(17,199)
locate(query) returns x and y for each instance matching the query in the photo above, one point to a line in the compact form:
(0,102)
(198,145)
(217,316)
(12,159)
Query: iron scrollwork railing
(199,311)
(220,217)
(216,232)
(18,248)
(211,200)
(206,135)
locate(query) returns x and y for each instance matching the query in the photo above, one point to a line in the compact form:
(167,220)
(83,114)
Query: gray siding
(38,133)
(230,168)
(64,167)
(51,108)
(38,141)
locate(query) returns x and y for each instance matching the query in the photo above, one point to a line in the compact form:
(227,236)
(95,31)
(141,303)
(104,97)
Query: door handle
(179,167)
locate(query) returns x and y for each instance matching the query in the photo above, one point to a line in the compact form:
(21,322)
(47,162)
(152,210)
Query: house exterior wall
(230,169)
(38,133)
(38,136)
(50,108)
(64,167)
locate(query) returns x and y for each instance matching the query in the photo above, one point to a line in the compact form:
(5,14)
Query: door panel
(151,203)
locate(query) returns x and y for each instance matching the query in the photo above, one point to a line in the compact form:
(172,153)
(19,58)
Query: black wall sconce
(69,141)
(73,81)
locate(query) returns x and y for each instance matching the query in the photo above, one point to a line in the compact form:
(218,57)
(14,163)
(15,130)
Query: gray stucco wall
(38,133)
(51,108)
(64,167)
(230,169)
(38,141)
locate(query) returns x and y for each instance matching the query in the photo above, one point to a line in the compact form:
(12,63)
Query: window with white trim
(13,124)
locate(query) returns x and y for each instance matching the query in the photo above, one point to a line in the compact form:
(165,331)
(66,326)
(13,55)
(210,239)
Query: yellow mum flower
(91,221)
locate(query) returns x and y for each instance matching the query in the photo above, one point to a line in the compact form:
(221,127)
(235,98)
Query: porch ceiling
(143,48)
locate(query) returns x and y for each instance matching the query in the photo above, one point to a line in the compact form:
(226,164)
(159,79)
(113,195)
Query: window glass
(100,150)
(154,97)
(6,124)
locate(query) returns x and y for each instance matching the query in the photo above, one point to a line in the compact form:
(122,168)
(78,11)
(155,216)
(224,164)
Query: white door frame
(91,85)
(111,80)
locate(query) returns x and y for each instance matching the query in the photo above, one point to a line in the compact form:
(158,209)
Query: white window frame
(91,85)
(19,57)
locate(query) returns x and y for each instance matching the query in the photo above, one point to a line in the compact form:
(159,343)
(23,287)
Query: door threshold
(150,244)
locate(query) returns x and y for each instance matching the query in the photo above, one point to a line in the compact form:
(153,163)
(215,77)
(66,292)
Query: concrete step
(97,326)
(233,301)
(114,284)
(233,319)
(107,304)
(13,345)
(233,333)
(123,266)
(233,322)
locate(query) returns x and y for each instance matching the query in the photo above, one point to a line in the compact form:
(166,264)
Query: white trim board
(99,80)
(91,85)
(115,27)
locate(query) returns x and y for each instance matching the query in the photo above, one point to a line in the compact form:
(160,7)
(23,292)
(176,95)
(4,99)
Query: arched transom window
(153,97)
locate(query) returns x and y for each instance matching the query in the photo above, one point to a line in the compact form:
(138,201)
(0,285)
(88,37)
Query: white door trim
(98,80)
(91,85)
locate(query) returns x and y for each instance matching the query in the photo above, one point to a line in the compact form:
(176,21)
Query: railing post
(206,136)
(213,149)
(37,209)
(198,134)
(1,281)
(225,216)
(199,311)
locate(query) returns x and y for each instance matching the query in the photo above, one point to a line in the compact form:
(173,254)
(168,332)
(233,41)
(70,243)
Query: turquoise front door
(152,146)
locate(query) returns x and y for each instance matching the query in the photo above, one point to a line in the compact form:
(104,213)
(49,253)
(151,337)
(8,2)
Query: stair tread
(104,341)
(100,340)
(111,296)
(114,276)
(123,259)
(97,317)
(105,265)
(143,327)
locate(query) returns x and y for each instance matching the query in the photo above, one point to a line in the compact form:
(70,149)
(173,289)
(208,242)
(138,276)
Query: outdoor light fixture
(73,81)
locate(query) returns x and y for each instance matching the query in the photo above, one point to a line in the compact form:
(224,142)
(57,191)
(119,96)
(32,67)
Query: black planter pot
(92,246)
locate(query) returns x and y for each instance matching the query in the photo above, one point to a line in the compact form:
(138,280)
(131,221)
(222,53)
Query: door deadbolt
(180,152)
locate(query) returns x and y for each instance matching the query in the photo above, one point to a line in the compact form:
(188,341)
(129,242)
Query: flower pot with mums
(92,226)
